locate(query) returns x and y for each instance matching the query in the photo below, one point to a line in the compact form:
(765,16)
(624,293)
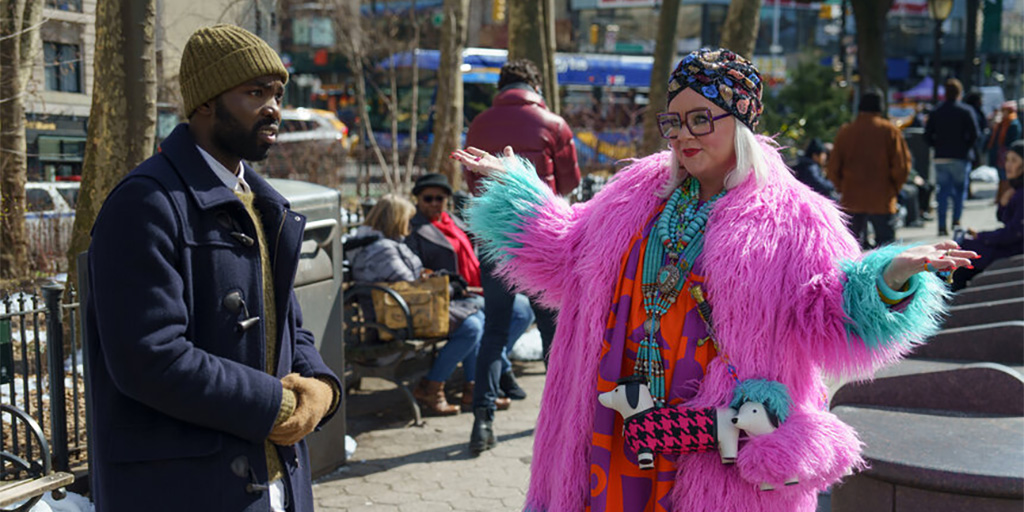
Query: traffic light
(594,33)
(498,11)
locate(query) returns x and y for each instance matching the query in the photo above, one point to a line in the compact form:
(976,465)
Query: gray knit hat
(220,57)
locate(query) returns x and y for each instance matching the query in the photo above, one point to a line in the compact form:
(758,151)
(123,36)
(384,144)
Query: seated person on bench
(441,242)
(387,259)
(1008,240)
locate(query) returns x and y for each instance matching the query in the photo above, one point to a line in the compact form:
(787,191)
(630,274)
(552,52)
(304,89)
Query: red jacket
(519,118)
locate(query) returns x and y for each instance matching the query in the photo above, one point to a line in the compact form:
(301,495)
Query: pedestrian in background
(869,164)
(951,131)
(518,117)
(1006,132)
(203,381)
(443,245)
(973,100)
(1008,240)
(808,169)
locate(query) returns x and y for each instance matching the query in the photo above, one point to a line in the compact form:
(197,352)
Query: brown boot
(500,403)
(430,395)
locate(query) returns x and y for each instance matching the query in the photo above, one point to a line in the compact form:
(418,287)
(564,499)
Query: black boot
(510,387)
(482,438)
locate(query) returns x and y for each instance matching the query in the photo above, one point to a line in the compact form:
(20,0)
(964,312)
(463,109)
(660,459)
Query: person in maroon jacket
(518,118)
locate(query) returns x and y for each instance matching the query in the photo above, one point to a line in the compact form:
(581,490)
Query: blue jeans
(463,345)
(522,317)
(508,316)
(952,179)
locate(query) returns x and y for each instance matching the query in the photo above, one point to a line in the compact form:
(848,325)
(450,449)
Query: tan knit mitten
(314,399)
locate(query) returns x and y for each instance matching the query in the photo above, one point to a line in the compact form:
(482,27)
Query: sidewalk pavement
(400,468)
(397,468)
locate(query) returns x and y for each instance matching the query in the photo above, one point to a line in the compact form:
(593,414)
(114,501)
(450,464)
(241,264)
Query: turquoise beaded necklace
(672,247)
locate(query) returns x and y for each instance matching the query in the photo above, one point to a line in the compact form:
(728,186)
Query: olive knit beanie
(221,57)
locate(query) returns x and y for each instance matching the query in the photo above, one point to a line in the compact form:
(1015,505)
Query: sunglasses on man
(699,121)
(433,199)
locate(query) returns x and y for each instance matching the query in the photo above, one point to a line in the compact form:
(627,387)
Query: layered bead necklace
(672,248)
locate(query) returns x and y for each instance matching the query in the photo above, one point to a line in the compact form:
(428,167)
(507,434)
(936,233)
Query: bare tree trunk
(551,95)
(870,18)
(414,109)
(448,107)
(122,119)
(527,39)
(739,33)
(18,20)
(393,178)
(664,54)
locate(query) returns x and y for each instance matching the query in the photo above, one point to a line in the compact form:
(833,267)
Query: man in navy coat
(202,380)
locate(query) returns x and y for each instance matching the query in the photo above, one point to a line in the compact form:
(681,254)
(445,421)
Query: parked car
(49,219)
(311,146)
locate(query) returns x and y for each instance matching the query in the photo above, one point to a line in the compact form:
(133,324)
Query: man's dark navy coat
(181,400)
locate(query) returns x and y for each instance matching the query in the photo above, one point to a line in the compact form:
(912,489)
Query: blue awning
(573,68)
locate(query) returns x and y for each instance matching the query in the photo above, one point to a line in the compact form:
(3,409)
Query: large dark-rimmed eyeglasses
(699,121)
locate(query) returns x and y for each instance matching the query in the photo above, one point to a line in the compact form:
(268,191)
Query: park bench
(366,354)
(25,463)
(944,429)
(938,437)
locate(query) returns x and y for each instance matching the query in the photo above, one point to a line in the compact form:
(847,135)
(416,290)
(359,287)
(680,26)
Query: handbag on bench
(428,301)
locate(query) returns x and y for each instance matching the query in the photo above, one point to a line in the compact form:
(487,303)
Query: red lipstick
(690,152)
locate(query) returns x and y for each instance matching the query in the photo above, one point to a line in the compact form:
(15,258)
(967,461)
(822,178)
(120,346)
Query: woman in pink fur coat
(791,299)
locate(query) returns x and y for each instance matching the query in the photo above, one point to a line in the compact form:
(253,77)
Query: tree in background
(122,119)
(531,35)
(664,55)
(809,105)
(739,33)
(364,46)
(19,44)
(448,108)
(870,18)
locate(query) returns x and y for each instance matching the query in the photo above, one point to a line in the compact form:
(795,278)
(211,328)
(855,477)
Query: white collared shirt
(233,180)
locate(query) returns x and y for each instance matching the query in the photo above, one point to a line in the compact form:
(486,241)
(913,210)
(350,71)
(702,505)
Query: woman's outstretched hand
(943,256)
(480,161)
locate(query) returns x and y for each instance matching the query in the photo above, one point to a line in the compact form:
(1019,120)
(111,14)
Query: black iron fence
(37,329)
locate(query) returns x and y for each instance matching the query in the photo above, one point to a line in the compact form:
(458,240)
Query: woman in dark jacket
(1008,240)
(389,260)
(442,243)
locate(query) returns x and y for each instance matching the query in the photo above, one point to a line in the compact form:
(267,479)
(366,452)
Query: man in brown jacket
(869,165)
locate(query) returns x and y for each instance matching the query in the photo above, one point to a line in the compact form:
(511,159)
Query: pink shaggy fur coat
(771,261)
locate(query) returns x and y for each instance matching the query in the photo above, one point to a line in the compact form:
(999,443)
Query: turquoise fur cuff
(879,325)
(504,207)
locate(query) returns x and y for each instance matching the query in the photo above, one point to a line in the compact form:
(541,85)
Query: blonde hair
(750,158)
(391,216)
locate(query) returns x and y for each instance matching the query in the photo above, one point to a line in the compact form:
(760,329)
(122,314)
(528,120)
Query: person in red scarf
(441,242)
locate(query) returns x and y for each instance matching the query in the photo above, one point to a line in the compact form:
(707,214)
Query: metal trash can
(318,288)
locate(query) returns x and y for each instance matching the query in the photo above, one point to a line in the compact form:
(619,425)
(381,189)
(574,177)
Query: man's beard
(232,137)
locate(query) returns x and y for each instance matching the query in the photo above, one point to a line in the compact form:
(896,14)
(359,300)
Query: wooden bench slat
(25,489)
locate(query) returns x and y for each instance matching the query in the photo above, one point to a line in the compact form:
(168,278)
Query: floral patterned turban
(724,78)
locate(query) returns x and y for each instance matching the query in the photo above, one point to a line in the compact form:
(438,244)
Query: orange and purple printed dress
(617,484)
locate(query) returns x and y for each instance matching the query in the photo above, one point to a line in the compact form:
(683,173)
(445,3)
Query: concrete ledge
(978,388)
(999,291)
(1011,262)
(962,455)
(1000,275)
(985,313)
(1001,343)
(861,493)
